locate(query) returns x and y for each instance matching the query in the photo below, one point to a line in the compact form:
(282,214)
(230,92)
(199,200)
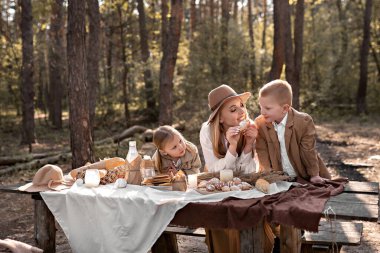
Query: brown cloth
(301,207)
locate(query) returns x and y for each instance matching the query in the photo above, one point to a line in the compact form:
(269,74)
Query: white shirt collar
(282,123)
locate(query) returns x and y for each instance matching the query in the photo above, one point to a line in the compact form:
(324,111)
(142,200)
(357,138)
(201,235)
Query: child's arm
(196,162)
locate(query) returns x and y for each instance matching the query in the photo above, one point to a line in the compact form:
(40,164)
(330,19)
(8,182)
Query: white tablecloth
(107,219)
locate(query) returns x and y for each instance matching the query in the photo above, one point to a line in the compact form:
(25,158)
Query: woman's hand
(232,136)
(250,138)
(250,134)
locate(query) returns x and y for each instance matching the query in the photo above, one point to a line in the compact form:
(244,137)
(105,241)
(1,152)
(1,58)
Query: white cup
(193,181)
(92,178)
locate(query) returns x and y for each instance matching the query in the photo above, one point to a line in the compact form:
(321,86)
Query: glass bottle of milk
(132,152)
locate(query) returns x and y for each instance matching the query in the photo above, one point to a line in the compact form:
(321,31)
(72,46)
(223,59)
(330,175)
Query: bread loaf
(262,185)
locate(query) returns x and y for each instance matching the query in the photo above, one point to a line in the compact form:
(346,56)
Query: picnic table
(359,201)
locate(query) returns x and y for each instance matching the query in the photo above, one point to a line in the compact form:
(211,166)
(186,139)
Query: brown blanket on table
(300,206)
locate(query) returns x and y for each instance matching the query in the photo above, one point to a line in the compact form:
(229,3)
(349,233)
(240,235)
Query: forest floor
(350,150)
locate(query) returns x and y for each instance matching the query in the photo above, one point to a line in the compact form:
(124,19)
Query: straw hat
(49,177)
(218,96)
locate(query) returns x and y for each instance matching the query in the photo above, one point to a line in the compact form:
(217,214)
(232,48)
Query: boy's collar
(283,121)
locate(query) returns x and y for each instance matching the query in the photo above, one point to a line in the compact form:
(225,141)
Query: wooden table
(359,201)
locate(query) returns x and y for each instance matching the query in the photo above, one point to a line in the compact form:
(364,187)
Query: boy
(286,138)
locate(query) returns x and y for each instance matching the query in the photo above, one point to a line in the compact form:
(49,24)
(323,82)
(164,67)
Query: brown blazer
(190,161)
(300,145)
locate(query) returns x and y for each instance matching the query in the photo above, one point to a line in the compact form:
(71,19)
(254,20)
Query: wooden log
(125,134)
(44,226)
(290,238)
(10,160)
(166,243)
(36,163)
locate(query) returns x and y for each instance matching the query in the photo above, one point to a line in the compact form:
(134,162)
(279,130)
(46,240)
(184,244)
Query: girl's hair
(161,137)
(217,138)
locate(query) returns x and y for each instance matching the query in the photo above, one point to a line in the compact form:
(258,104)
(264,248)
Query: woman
(226,145)
(223,143)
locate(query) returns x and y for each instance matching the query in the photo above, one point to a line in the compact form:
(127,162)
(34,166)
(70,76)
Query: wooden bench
(332,235)
(339,232)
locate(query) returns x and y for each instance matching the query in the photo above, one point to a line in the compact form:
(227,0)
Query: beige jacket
(300,142)
(190,162)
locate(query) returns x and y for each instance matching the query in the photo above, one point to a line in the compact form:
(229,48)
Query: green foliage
(330,69)
(203,71)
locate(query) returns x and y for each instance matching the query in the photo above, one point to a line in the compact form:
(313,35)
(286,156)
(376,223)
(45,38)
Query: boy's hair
(281,90)
(161,136)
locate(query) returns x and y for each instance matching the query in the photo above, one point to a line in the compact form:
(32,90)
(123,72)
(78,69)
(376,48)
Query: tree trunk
(93,55)
(168,61)
(224,40)
(298,52)
(193,18)
(125,66)
(56,63)
(164,23)
(27,86)
(263,41)
(278,57)
(343,37)
(252,62)
(42,81)
(149,94)
(377,61)
(80,130)
(289,55)
(212,11)
(361,106)
(235,11)
(109,52)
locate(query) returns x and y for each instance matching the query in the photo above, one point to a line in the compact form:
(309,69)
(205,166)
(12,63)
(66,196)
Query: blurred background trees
(155,61)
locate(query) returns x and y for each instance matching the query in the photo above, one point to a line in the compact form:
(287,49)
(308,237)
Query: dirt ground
(349,149)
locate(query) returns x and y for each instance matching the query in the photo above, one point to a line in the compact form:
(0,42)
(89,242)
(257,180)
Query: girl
(174,153)
(226,145)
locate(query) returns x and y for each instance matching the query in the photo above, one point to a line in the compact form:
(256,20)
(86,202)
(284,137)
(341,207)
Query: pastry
(236,180)
(202,184)
(243,124)
(235,188)
(262,185)
(210,187)
(214,180)
(225,188)
(244,186)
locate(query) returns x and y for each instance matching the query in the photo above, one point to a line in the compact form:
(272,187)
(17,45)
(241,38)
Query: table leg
(252,240)
(290,238)
(166,243)
(44,225)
